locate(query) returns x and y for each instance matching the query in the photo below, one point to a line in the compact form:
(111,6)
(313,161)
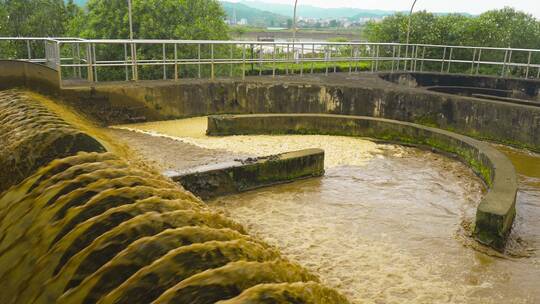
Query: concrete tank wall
(365,95)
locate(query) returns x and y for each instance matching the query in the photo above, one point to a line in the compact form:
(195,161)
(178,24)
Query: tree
(33,18)
(154,19)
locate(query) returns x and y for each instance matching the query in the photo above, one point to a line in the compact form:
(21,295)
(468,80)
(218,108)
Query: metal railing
(90,60)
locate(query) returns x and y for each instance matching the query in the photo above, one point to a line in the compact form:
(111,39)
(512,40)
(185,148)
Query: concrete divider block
(229,178)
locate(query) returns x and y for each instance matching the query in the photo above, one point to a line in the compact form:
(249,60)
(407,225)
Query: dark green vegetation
(93,228)
(498,28)
(496,211)
(253,173)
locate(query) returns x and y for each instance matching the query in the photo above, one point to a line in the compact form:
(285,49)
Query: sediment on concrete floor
(253,173)
(91,228)
(496,211)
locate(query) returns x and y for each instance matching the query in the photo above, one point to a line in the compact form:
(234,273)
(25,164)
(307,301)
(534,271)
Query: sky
(466,6)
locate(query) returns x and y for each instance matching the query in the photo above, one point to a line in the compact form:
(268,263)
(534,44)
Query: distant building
(243,21)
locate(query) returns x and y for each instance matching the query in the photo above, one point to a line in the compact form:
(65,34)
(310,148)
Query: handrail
(78,58)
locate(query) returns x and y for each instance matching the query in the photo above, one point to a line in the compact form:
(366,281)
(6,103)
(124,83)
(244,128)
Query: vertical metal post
(313,57)
(478,61)
(126,62)
(504,63)
(377,60)
(415,57)
(357,54)
(372,54)
(335,62)
(231,64)
(443,59)
(199,61)
(260,59)
(28,50)
(393,56)
(73,59)
(274,61)
(423,57)
(450,60)
(59,63)
(351,59)
(287,60)
(326,57)
(243,61)
(164,63)
(134,72)
(95,62)
(509,63)
(212,75)
(301,57)
(399,57)
(175,61)
(77,45)
(528,65)
(89,59)
(472,62)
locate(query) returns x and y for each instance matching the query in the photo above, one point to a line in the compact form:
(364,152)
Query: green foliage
(498,28)
(155,19)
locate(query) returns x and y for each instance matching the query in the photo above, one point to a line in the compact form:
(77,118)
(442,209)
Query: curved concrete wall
(512,87)
(364,95)
(37,77)
(495,213)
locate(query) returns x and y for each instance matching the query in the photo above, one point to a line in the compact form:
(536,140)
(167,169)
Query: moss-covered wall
(495,213)
(254,173)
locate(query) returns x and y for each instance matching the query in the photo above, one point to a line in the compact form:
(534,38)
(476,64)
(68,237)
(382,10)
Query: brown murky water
(385,223)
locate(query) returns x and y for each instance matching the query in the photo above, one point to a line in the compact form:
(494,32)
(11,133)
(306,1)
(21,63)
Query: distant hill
(308,11)
(254,16)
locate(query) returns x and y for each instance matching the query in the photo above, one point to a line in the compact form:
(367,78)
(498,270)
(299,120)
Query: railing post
(472,62)
(29,51)
(175,61)
(301,58)
(478,61)
(199,58)
(399,57)
(164,62)
(89,59)
(134,71)
(231,64)
(443,59)
(95,62)
(212,76)
(260,59)
(504,63)
(450,60)
(125,62)
(287,60)
(243,61)
(335,62)
(377,59)
(326,60)
(393,56)
(528,65)
(351,59)
(423,58)
(312,58)
(274,61)
(58,63)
